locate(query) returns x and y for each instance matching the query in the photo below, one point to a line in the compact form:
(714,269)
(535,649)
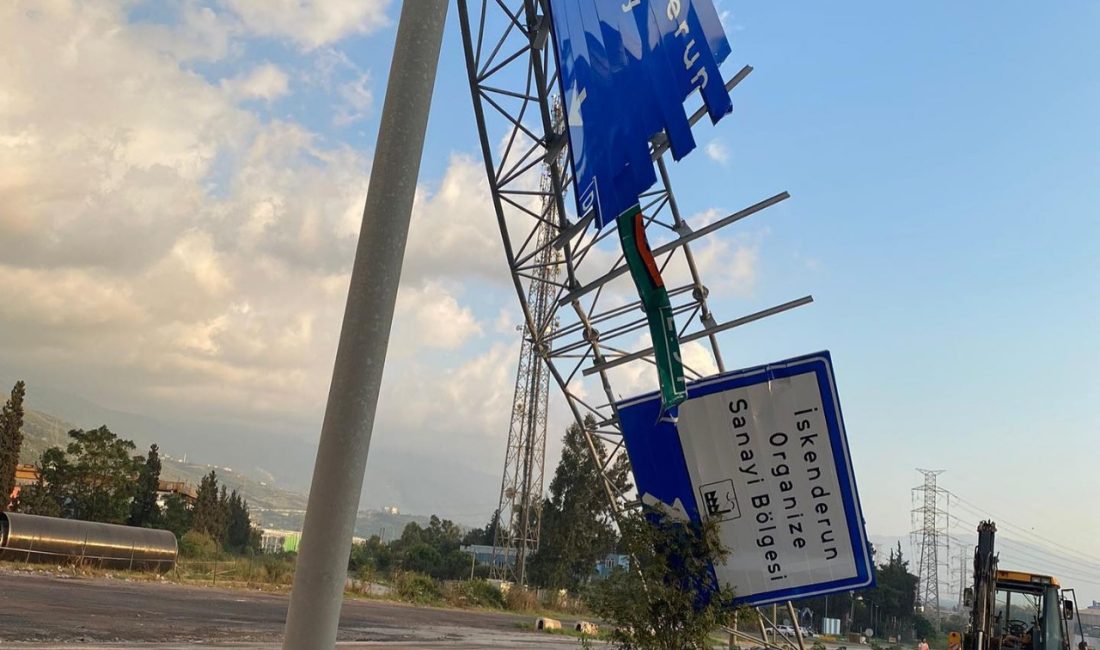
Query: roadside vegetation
(98,477)
(662,597)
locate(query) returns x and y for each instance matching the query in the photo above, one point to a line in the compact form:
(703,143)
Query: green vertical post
(658,309)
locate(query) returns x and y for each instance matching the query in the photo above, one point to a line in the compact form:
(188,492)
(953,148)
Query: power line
(1065,570)
(985,512)
(1036,545)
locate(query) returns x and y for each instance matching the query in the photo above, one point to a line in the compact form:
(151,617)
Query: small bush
(521,600)
(672,599)
(473,593)
(199,546)
(276,570)
(416,588)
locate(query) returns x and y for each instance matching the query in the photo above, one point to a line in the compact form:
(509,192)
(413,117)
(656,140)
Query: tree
(483,536)
(223,515)
(37,499)
(177,515)
(370,556)
(577,523)
(92,479)
(668,599)
(239,530)
(207,516)
(11,441)
(144,511)
(433,550)
(894,596)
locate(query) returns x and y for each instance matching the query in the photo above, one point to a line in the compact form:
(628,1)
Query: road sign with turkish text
(763,452)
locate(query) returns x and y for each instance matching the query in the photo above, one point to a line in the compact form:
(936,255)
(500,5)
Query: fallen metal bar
(751,639)
(679,241)
(694,336)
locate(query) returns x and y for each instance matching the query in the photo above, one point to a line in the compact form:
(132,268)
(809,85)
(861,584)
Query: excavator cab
(1014,610)
(1028,613)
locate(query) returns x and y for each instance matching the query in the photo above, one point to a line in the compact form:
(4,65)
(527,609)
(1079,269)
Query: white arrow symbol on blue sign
(575,106)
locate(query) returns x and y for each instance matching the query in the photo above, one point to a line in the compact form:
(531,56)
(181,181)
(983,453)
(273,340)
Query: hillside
(41,431)
(272,506)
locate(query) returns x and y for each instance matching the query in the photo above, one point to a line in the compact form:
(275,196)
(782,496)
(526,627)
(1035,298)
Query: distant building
(483,554)
(24,475)
(167,488)
(606,566)
(391,510)
(1090,625)
(280,541)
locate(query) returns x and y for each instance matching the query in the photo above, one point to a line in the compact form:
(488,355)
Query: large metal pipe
(50,539)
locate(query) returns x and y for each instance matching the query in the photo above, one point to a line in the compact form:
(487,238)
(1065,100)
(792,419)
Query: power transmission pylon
(930,531)
(963,577)
(517,534)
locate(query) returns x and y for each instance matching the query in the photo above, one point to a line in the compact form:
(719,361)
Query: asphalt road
(50,611)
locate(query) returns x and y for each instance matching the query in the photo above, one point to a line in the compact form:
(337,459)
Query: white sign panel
(763,452)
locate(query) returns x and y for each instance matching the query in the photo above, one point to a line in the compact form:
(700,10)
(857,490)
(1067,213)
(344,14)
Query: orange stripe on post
(646,253)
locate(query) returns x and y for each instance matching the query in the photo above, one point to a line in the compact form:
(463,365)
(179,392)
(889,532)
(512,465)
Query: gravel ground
(43,610)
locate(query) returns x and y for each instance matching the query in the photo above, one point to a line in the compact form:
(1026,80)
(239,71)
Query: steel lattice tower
(963,578)
(930,535)
(517,534)
(577,328)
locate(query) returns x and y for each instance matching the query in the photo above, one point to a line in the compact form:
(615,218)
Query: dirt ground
(44,611)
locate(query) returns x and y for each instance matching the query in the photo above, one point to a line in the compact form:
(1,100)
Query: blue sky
(945,177)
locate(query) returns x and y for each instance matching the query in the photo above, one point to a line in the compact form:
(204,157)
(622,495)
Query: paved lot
(49,611)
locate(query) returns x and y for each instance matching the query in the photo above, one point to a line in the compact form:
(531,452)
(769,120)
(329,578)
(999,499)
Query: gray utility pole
(318,592)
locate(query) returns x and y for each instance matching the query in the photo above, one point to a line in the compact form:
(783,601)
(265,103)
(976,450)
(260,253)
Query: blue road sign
(762,451)
(626,67)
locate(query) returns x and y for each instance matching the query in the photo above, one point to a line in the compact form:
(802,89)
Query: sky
(182,185)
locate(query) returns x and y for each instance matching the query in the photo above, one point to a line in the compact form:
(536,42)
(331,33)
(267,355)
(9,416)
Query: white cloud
(203,33)
(358,99)
(454,230)
(64,298)
(464,408)
(728,263)
(267,82)
(717,152)
(430,317)
(158,233)
(506,322)
(311,23)
(728,266)
(699,358)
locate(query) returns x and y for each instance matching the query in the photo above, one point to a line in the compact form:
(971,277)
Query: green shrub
(276,570)
(199,546)
(671,599)
(473,593)
(416,588)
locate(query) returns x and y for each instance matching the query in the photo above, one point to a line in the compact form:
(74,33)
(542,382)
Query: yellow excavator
(1014,610)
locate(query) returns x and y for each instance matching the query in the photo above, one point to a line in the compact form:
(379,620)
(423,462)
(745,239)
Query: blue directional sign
(763,451)
(626,67)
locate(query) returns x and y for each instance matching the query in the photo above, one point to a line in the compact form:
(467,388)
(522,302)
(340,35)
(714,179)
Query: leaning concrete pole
(318,592)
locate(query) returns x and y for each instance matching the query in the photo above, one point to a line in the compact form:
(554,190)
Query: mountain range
(271,505)
(272,468)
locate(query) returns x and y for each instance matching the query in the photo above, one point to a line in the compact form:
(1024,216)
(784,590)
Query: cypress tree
(144,510)
(11,441)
